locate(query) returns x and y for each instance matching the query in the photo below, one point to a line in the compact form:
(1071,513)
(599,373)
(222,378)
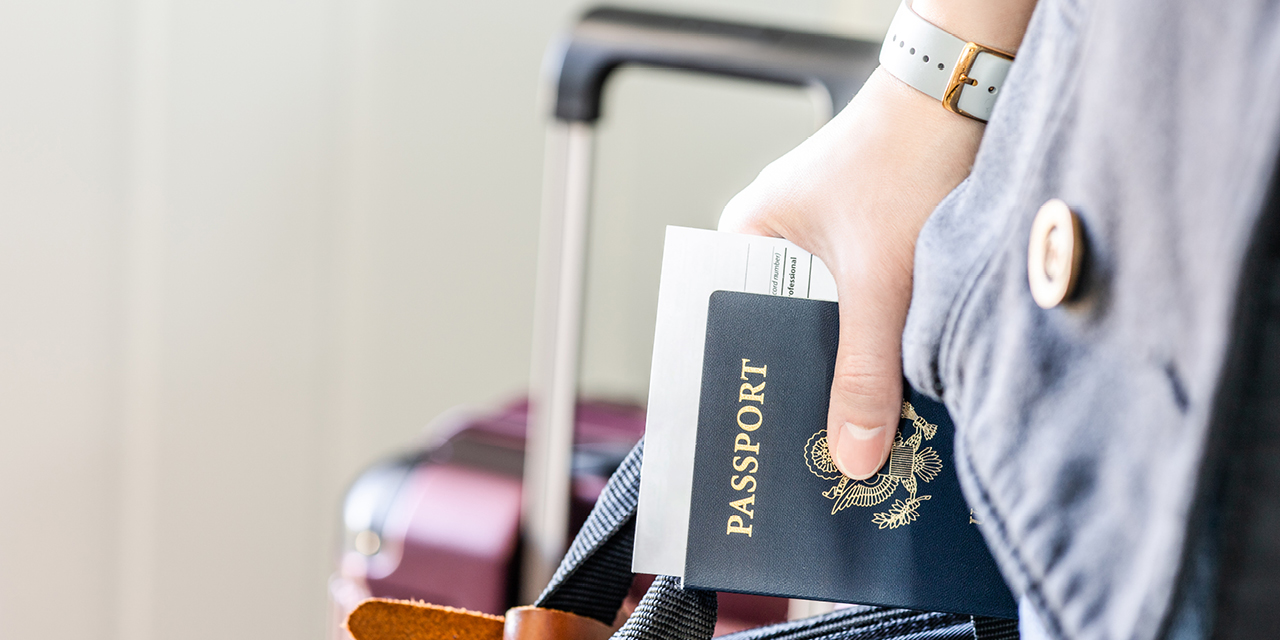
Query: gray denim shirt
(1082,429)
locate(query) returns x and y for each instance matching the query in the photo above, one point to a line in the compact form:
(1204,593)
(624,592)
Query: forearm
(999,24)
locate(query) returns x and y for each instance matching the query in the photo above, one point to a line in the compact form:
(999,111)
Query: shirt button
(1054,254)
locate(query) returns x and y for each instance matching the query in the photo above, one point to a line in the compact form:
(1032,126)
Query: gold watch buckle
(960,76)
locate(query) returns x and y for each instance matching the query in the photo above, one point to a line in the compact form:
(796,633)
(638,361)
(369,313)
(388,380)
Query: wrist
(901,152)
(933,148)
(907,107)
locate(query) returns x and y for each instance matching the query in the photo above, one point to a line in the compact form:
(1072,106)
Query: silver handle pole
(556,345)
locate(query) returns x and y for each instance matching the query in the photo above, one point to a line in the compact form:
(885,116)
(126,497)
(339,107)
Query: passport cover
(770,512)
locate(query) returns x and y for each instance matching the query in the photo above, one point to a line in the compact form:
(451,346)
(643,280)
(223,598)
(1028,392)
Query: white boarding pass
(696,262)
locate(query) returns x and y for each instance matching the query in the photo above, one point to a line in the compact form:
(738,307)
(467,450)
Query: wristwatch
(965,76)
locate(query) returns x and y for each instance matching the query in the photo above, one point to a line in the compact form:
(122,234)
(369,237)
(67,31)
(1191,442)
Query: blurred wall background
(248,247)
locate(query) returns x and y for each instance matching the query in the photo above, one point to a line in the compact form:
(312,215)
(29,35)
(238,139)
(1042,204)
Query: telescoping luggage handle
(607,38)
(602,41)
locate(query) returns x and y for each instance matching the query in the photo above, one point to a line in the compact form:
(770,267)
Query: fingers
(866,391)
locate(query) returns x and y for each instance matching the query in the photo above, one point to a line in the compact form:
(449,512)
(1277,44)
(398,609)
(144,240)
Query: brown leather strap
(379,619)
(534,623)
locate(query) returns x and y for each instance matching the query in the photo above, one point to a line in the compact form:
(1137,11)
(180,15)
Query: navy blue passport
(772,515)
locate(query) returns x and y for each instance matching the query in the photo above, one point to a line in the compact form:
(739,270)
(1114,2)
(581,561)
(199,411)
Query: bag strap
(669,612)
(595,576)
(868,623)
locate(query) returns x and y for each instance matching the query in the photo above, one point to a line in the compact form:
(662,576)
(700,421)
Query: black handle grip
(607,38)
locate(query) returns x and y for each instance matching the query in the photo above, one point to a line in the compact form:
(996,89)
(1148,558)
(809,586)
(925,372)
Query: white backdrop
(248,247)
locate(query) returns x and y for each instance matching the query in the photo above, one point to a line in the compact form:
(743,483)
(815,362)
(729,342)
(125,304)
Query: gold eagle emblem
(909,464)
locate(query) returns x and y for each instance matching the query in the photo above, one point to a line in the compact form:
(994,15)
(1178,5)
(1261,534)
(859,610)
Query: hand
(856,194)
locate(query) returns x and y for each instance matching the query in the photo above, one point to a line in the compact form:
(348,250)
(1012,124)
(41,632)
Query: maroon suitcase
(442,524)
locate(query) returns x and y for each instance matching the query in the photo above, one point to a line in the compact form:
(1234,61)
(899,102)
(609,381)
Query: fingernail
(859,450)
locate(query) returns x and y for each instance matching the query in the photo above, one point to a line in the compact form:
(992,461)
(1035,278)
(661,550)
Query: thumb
(866,391)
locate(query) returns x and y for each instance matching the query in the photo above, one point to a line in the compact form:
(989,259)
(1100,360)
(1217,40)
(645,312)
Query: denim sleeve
(1082,430)
(976,219)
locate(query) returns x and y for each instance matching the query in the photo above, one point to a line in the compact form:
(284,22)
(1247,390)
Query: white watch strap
(965,76)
